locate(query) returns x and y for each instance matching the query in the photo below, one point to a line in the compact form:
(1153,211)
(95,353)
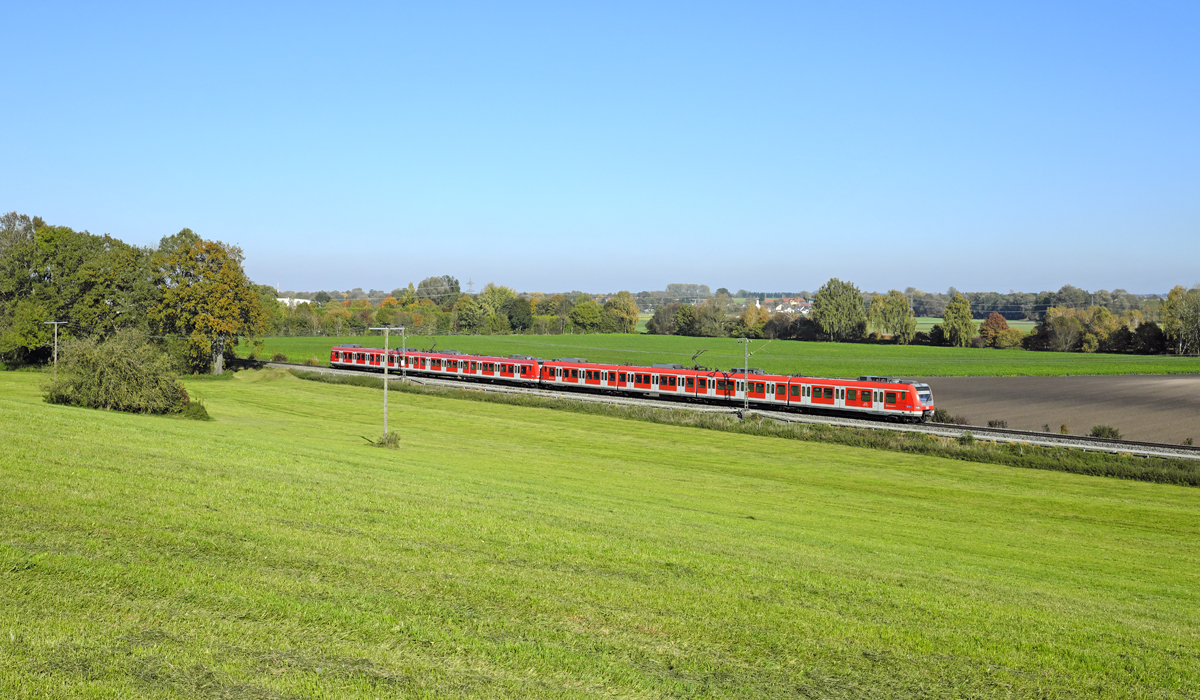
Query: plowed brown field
(1154,408)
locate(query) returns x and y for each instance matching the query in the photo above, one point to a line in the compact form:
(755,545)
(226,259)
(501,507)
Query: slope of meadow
(510,551)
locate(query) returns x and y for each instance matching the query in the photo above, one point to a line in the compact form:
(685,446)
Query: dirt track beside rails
(1152,408)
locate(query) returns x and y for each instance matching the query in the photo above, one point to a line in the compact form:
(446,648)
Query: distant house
(797,306)
(290,302)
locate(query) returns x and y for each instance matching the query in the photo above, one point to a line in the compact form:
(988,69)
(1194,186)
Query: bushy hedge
(123,373)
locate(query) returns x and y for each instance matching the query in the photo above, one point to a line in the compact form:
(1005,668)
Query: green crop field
(780,356)
(924,323)
(522,552)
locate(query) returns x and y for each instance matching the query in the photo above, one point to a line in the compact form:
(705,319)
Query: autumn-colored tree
(992,327)
(207,296)
(389,303)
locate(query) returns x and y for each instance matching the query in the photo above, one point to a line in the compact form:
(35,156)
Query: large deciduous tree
(586,316)
(992,328)
(957,323)
(839,310)
(469,315)
(892,314)
(1181,319)
(622,312)
(96,283)
(443,290)
(206,295)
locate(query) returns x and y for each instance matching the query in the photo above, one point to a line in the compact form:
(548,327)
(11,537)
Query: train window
(621,377)
(762,388)
(853,394)
(780,389)
(574,374)
(672,381)
(795,390)
(691,383)
(890,397)
(828,392)
(721,385)
(903,396)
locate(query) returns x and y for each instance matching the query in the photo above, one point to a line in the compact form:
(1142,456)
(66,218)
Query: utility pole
(403,355)
(746,372)
(56,324)
(385,330)
(746,375)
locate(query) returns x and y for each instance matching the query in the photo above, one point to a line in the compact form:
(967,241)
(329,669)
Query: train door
(839,397)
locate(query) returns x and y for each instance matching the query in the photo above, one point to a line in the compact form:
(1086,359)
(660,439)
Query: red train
(883,397)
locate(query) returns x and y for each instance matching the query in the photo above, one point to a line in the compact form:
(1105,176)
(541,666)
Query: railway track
(1079,442)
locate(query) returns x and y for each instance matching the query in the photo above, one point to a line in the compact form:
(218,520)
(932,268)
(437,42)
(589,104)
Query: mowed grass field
(780,356)
(521,552)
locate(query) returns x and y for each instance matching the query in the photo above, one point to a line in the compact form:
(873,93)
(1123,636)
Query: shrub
(279,357)
(123,373)
(390,440)
(1062,430)
(941,415)
(1009,338)
(966,439)
(195,410)
(312,362)
(1188,441)
(959,419)
(1106,431)
(997,424)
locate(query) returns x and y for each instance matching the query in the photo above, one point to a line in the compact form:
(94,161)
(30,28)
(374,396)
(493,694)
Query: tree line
(842,313)
(437,305)
(189,294)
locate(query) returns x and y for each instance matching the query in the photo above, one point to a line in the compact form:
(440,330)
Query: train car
(452,364)
(871,396)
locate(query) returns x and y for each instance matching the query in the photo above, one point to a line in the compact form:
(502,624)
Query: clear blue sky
(552,147)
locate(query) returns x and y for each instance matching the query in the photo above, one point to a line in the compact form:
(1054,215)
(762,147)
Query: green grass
(781,356)
(1022,455)
(516,552)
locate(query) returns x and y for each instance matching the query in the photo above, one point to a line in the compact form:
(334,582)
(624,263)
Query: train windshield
(925,394)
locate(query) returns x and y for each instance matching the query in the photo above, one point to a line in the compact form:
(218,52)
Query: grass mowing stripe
(515,551)
(1153,469)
